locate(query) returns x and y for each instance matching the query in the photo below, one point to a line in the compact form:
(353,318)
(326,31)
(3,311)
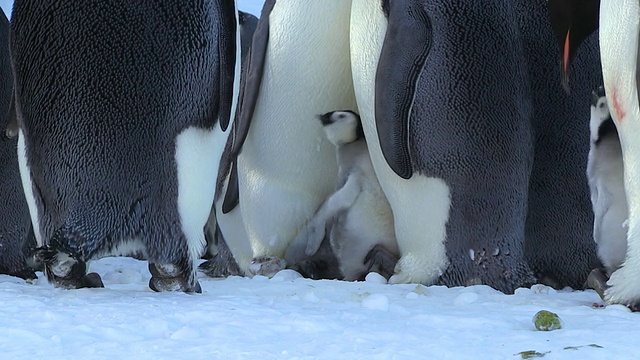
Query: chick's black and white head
(601,124)
(342,127)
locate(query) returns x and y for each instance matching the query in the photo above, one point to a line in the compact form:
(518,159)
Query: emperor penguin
(606,180)
(465,154)
(285,165)
(123,110)
(448,141)
(357,217)
(619,38)
(15,224)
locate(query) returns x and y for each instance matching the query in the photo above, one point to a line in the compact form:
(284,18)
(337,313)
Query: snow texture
(289,317)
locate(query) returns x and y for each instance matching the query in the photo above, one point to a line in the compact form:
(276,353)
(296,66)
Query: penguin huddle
(461,154)
(478,164)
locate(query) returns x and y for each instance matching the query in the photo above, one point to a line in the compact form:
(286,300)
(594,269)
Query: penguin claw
(266,265)
(381,260)
(597,280)
(168,277)
(217,267)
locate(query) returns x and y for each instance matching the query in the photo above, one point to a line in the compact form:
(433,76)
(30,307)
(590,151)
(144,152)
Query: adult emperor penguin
(357,218)
(122,109)
(460,151)
(15,223)
(619,38)
(606,181)
(428,117)
(285,166)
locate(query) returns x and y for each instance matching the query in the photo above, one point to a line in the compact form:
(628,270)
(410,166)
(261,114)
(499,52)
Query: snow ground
(288,317)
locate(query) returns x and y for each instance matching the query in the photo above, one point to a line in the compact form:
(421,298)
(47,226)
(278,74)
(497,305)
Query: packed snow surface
(289,317)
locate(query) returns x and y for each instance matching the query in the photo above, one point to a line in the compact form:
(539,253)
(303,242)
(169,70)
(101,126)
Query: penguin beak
(325,119)
(566,57)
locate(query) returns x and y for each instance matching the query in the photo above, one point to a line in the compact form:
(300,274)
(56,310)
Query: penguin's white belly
(420,205)
(232,227)
(619,36)
(287,167)
(609,203)
(198,151)
(27,185)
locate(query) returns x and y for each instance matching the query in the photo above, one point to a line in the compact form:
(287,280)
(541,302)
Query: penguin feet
(168,277)
(623,288)
(64,271)
(412,269)
(266,265)
(501,270)
(316,270)
(381,260)
(597,280)
(218,267)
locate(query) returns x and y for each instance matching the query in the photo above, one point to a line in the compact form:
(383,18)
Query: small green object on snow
(546,321)
(531,354)
(29,281)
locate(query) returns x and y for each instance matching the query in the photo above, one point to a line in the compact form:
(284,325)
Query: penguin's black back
(473,102)
(104,88)
(15,223)
(559,239)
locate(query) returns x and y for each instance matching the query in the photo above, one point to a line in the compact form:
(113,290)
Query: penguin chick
(606,181)
(357,217)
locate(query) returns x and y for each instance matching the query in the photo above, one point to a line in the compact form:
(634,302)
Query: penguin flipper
(404,52)
(255,69)
(227,57)
(232,195)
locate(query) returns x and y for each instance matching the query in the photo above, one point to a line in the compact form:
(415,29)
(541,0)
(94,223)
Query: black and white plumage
(619,35)
(479,163)
(15,223)
(122,109)
(605,172)
(356,217)
(296,69)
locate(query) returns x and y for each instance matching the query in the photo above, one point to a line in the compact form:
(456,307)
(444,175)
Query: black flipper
(255,68)
(404,53)
(249,91)
(227,51)
(232,196)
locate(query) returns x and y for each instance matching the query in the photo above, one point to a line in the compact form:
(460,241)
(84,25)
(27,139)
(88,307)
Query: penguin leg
(169,277)
(311,236)
(381,260)
(597,280)
(65,271)
(221,264)
(266,265)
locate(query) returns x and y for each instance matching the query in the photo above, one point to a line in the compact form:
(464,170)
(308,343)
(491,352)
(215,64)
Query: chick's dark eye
(341,116)
(601,105)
